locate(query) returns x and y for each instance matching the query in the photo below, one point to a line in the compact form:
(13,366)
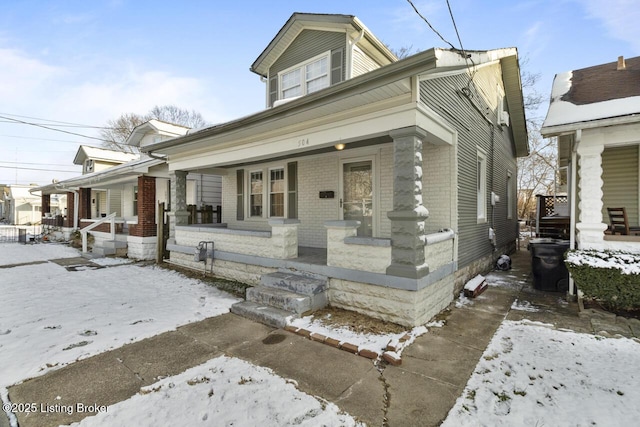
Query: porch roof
(384,91)
(113,175)
(598,96)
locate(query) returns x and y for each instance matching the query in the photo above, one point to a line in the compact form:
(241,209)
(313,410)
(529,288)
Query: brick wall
(84,205)
(146,226)
(46,204)
(68,221)
(437,173)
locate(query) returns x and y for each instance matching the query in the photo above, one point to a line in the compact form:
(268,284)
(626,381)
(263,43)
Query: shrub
(611,277)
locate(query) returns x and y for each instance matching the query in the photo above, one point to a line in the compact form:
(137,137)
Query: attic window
(305,78)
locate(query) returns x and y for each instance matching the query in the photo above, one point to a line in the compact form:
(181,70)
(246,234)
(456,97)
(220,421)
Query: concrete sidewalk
(420,392)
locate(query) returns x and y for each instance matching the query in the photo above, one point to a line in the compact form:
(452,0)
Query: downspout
(573,195)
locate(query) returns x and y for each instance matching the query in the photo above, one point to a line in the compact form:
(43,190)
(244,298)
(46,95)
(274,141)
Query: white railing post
(112,220)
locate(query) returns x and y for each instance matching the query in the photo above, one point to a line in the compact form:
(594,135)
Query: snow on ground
(50,317)
(16,253)
(373,342)
(226,392)
(533,375)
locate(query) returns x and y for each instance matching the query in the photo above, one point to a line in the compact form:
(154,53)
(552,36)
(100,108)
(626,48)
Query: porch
(354,268)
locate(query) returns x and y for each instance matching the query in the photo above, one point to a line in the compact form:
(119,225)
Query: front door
(356,201)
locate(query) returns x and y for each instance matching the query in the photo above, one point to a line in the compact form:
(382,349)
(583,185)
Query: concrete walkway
(420,392)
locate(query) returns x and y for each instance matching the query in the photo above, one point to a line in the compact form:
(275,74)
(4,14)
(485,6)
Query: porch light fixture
(339,146)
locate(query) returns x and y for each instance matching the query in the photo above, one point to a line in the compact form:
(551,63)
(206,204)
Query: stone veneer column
(408,214)
(590,226)
(179,214)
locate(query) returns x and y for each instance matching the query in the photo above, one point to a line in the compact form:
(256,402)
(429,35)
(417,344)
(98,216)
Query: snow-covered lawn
(533,375)
(50,317)
(530,374)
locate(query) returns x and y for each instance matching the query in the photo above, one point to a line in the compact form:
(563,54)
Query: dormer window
(305,78)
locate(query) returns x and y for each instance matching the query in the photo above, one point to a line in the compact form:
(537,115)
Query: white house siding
(208,189)
(439,186)
(115,201)
(362,63)
(316,174)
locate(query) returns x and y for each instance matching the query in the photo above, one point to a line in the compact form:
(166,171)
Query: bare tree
(536,172)
(118,130)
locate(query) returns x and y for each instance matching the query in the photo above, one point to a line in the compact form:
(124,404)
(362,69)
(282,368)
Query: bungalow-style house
(20,206)
(115,199)
(370,183)
(595,114)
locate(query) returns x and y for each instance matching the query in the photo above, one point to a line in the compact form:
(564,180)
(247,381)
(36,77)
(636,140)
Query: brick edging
(391,354)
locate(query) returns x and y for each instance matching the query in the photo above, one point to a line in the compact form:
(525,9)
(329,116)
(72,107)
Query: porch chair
(620,222)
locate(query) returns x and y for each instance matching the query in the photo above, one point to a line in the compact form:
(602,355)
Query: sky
(70,63)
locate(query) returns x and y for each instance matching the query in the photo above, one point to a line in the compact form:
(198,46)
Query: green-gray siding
(620,181)
(444,95)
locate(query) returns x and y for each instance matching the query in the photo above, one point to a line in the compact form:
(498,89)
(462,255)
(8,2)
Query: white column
(590,225)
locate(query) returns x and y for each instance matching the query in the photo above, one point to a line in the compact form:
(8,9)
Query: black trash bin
(547,264)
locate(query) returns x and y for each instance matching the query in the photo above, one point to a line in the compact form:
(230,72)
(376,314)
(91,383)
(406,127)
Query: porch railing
(112,220)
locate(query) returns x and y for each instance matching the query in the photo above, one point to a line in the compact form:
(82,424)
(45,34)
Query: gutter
(397,71)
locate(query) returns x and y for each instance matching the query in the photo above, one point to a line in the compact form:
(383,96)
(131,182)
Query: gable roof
(157,127)
(88,152)
(331,22)
(380,83)
(585,97)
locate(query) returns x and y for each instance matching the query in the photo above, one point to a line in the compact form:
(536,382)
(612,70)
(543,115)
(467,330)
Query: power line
(56,121)
(49,128)
(431,26)
(40,139)
(37,169)
(41,164)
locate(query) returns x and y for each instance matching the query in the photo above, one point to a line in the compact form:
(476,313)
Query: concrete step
(114,244)
(99,250)
(292,282)
(271,316)
(91,255)
(278,298)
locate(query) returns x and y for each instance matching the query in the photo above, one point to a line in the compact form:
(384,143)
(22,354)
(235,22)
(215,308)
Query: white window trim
(510,194)
(266,192)
(249,194)
(303,79)
(481,193)
(284,191)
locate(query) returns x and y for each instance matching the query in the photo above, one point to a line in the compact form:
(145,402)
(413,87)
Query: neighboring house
(128,187)
(20,206)
(595,114)
(393,181)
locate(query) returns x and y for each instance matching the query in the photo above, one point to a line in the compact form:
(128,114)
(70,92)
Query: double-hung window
(255,194)
(481,186)
(276,192)
(305,78)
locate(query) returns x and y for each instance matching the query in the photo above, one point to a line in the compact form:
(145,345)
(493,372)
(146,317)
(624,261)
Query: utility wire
(55,121)
(37,169)
(38,164)
(50,128)
(431,26)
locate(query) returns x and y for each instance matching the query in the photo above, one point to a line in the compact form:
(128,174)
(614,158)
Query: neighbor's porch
(606,175)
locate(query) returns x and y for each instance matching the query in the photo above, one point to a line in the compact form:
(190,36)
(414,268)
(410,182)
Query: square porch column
(69,220)
(84,205)
(46,204)
(146,226)
(408,214)
(590,226)
(179,214)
